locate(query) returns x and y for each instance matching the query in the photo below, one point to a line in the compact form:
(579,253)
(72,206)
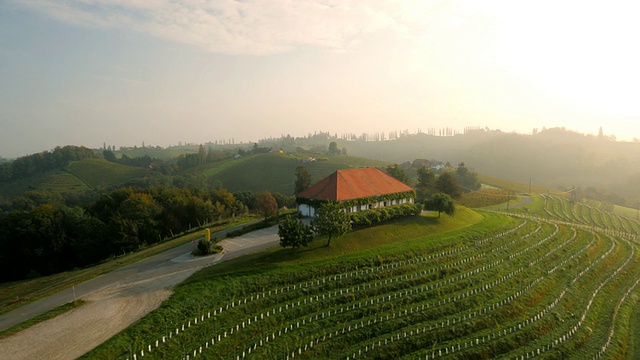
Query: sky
(124,72)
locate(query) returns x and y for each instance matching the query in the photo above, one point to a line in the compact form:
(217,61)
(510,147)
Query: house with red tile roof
(357,189)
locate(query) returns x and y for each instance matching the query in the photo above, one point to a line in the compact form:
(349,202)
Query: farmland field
(554,279)
(57,181)
(102,174)
(79,177)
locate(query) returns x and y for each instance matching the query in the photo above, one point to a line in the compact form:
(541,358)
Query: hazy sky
(126,71)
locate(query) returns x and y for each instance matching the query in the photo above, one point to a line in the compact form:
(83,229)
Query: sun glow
(579,52)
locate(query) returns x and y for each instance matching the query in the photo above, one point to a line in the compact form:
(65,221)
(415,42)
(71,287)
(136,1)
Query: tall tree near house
(294,233)
(426,183)
(266,205)
(447,184)
(303,179)
(333,148)
(467,178)
(397,172)
(442,203)
(331,220)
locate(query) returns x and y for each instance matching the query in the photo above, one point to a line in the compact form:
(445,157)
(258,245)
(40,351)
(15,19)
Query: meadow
(554,279)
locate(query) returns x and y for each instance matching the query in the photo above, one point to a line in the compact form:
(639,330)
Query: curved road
(154,275)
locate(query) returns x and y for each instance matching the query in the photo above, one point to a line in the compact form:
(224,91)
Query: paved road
(161,271)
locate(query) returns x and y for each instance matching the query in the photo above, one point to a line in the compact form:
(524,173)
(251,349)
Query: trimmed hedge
(375,216)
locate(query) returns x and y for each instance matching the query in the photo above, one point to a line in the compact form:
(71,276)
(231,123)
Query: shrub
(375,216)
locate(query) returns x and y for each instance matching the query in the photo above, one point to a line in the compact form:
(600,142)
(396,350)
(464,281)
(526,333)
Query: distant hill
(554,158)
(551,159)
(276,172)
(77,178)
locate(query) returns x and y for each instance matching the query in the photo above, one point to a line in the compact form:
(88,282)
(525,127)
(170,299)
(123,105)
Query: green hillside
(276,172)
(78,178)
(56,181)
(101,174)
(555,279)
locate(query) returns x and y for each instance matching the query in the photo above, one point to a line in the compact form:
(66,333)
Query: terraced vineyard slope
(556,283)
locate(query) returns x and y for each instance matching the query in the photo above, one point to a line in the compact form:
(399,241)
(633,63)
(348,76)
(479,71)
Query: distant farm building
(357,190)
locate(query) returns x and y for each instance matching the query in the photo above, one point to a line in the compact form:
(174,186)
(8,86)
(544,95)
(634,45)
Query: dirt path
(72,334)
(119,299)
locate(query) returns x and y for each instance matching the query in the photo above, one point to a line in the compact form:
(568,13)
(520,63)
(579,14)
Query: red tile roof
(352,184)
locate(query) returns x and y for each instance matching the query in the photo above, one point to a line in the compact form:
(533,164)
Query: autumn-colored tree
(266,205)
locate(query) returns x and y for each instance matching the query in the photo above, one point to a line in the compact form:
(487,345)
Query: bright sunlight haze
(124,72)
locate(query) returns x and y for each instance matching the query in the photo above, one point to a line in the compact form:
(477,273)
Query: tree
(426,183)
(331,220)
(202,154)
(294,233)
(303,179)
(397,172)
(466,178)
(447,184)
(333,148)
(442,203)
(109,156)
(266,205)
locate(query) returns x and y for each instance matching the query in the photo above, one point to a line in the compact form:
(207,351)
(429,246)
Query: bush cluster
(374,216)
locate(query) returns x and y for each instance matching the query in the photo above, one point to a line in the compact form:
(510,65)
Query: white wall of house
(307,210)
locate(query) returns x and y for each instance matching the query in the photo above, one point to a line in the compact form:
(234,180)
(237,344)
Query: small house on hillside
(357,190)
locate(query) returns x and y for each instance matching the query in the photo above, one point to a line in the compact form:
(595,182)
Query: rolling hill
(78,178)
(275,172)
